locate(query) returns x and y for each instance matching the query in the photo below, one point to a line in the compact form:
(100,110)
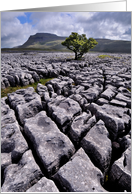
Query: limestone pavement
(74,133)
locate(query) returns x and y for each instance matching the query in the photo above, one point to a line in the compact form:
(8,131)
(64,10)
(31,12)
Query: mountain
(52,42)
(44,41)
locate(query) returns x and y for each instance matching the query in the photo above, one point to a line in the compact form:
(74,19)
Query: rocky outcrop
(98,146)
(52,148)
(43,185)
(13,144)
(79,175)
(120,173)
(26,103)
(19,177)
(63,110)
(72,134)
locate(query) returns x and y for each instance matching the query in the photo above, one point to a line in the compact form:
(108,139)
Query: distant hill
(112,46)
(52,42)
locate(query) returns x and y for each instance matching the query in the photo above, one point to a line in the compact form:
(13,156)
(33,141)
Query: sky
(16,27)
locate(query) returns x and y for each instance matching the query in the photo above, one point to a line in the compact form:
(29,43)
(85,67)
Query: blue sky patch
(25,19)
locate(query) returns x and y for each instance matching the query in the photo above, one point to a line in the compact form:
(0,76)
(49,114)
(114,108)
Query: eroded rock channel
(74,133)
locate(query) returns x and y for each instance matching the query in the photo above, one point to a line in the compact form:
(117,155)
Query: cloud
(9,16)
(111,25)
(13,33)
(16,27)
(128,32)
(55,22)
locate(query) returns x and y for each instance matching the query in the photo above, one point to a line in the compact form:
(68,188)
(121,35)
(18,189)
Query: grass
(104,56)
(129,89)
(108,56)
(5,91)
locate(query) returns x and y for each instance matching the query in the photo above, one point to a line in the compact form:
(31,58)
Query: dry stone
(43,185)
(126,99)
(26,103)
(120,173)
(80,126)
(41,89)
(51,146)
(108,94)
(79,175)
(98,146)
(19,177)
(63,110)
(12,140)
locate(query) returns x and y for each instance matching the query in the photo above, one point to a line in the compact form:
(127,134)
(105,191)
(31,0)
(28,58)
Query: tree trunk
(75,56)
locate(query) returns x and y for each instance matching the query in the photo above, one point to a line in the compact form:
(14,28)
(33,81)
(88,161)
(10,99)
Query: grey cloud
(128,32)
(111,25)
(53,22)
(118,17)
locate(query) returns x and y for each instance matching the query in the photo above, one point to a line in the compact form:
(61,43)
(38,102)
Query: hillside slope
(52,42)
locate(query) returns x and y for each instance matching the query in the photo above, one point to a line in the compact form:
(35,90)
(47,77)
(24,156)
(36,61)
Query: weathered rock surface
(26,103)
(79,175)
(19,177)
(120,173)
(51,146)
(86,105)
(43,185)
(98,146)
(61,85)
(108,94)
(41,89)
(63,110)
(80,126)
(116,119)
(13,144)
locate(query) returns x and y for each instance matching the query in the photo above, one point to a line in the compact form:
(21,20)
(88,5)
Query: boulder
(8,117)
(5,161)
(18,97)
(93,107)
(26,103)
(126,99)
(118,103)
(5,82)
(114,125)
(41,89)
(20,177)
(98,146)
(43,185)
(51,147)
(28,110)
(59,84)
(116,119)
(102,101)
(120,173)
(125,142)
(125,91)
(79,175)
(92,93)
(81,100)
(12,141)
(80,126)
(108,94)
(63,110)
(11,80)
